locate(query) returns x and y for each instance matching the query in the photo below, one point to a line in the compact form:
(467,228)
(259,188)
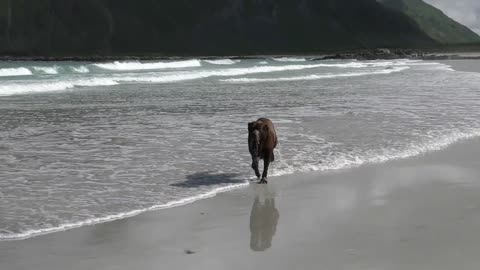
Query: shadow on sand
(209,179)
(263,219)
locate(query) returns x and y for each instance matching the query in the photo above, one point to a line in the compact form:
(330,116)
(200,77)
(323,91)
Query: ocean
(84,143)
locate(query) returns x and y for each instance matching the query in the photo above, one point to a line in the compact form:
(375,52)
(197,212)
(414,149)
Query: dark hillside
(113,27)
(434,22)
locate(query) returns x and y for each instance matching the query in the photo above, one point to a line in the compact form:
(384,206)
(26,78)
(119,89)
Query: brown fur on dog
(262,139)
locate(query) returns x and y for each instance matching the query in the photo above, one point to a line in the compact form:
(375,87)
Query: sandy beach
(416,213)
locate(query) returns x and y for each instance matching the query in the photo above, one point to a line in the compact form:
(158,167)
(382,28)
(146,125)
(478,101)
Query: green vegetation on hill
(434,22)
(142,27)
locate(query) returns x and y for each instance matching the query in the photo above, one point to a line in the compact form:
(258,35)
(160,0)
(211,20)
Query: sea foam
(46,70)
(148,66)
(185,75)
(192,75)
(4,72)
(315,76)
(221,62)
(289,59)
(80,69)
(46,86)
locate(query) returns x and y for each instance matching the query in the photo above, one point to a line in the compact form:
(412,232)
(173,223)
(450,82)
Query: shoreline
(183,202)
(357,216)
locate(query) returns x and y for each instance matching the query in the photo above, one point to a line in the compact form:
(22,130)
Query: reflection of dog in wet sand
(262,139)
(263,221)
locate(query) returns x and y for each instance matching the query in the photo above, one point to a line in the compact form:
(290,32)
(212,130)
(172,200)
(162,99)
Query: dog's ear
(251,126)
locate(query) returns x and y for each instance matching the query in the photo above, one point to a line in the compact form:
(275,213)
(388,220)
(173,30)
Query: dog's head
(257,125)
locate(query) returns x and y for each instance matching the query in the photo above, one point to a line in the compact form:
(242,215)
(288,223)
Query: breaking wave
(4,72)
(34,87)
(81,69)
(177,76)
(221,62)
(148,66)
(193,75)
(46,70)
(289,59)
(315,76)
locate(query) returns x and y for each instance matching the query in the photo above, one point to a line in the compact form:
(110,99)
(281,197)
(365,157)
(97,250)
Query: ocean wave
(193,75)
(80,69)
(119,66)
(221,62)
(289,59)
(46,70)
(36,87)
(315,76)
(5,72)
(29,87)
(177,76)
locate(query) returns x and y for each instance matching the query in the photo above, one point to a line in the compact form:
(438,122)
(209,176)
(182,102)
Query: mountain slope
(433,21)
(106,27)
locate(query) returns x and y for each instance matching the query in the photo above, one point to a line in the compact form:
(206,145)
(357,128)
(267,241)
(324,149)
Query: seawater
(83,143)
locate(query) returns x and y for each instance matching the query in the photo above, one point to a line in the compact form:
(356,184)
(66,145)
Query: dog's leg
(255,166)
(266,163)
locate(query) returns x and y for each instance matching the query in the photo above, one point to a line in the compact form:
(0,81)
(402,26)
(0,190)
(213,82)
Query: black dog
(262,139)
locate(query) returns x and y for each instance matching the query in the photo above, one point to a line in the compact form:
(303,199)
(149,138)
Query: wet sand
(416,213)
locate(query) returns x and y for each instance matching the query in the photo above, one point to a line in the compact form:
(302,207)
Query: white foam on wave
(46,86)
(193,75)
(93,221)
(6,72)
(289,59)
(168,77)
(411,63)
(32,87)
(221,62)
(315,76)
(80,69)
(148,66)
(445,68)
(349,160)
(46,70)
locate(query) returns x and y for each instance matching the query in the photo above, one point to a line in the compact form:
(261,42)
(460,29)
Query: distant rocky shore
(376,54)
(387,54)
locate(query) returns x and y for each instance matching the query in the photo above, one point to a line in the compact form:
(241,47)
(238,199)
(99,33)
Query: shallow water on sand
(83,143)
